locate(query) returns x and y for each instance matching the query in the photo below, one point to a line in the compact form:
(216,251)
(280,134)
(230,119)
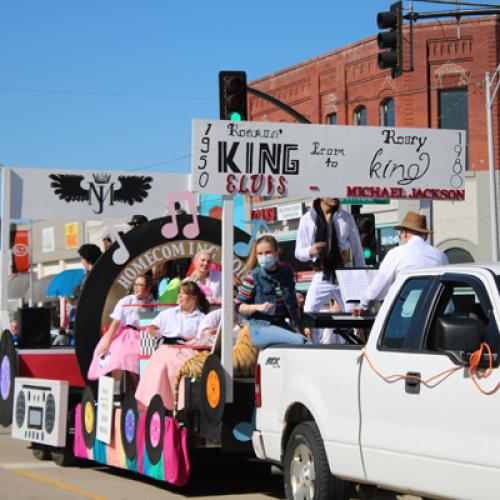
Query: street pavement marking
(30,465)
(57,484)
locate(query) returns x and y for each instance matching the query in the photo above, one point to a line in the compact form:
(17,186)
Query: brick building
(445,90)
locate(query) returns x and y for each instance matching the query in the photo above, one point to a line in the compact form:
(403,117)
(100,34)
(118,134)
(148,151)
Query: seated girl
(267,297)
(211,323)
(177,325)
(118,349)
(208,279)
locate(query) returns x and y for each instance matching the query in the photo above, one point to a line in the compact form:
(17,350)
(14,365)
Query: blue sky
(114,84)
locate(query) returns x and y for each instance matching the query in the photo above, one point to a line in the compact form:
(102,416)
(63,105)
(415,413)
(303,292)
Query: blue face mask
(267,261)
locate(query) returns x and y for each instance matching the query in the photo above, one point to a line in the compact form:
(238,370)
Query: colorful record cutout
(88,422)
(128,425)
(213,390)
(7,375)
(155,429)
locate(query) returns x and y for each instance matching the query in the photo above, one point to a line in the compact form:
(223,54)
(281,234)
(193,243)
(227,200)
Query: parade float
(45,392)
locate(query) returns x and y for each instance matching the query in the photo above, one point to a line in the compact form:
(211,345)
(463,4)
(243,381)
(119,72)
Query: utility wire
(151,165)
(112,94)
(459,3)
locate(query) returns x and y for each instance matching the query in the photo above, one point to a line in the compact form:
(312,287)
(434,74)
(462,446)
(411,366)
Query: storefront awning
(63,284)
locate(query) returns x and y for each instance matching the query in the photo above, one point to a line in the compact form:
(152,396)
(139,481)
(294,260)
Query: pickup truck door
(440,438)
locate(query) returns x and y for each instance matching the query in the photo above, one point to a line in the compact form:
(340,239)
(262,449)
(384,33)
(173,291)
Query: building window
(454,113)
(360,116)
(331,119)
(458,256)
(387,117)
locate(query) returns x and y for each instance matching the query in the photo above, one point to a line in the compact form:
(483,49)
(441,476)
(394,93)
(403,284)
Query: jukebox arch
(147,247)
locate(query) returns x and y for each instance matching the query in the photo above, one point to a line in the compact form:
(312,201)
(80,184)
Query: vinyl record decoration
(88,423)
(213,390)
(155,429)
(128,425)
(8,370)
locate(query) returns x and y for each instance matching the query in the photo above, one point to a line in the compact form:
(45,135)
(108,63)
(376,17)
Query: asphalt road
(22,477)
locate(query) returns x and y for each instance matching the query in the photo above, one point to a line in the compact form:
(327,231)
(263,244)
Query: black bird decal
(68,188)
(133,188)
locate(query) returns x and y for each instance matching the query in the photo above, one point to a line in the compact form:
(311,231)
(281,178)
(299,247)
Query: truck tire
(41,451)
(63,457)
(305,469)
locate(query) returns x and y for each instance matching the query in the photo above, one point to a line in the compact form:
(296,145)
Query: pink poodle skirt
(123,354)
(159,375)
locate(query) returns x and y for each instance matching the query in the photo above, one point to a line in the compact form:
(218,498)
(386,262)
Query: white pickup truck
(331,415)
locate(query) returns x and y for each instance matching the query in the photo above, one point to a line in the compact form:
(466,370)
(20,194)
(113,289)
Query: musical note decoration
(120,255)
(242,249)
(171,229)
(243,430)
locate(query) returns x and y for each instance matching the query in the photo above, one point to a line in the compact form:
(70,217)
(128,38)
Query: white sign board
(105,409)
(87,195)
(293,211)
(48,240)
(283,159)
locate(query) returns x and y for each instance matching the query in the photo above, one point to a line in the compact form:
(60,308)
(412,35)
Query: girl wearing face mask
(267,296)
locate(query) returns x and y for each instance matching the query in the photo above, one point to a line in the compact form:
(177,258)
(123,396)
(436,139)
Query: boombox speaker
(33,324)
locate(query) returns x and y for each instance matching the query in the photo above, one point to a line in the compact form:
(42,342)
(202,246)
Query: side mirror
(459,334)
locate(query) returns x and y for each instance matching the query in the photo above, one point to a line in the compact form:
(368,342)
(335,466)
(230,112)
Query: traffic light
(367,234)
(233,95)
(392,39)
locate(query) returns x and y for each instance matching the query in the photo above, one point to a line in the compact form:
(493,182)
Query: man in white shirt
(414,252)
(328,250)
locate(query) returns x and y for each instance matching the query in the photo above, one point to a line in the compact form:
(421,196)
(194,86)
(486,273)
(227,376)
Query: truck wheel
(306,471)
(40,451)
(63,456)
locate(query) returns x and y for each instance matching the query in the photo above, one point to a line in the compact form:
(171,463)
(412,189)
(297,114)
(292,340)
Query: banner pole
(5,251)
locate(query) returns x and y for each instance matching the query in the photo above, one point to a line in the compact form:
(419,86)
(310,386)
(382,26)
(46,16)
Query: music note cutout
(121,254)
(242,249)
(171,229)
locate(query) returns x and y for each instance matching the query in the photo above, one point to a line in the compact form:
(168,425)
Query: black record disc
(8,370)
(213,390)
(89,415)
(155,429)
(128,425)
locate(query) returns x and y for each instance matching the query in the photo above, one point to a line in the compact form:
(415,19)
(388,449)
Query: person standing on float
(328,237)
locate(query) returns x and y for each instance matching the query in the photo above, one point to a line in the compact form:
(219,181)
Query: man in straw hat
(413,252)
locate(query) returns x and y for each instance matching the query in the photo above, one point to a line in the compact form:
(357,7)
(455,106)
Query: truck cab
(408,410)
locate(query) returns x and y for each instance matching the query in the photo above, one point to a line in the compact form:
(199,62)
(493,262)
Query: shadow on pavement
(214,477)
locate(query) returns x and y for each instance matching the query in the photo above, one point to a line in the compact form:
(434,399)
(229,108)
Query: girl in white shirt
(179,327)
(118,349)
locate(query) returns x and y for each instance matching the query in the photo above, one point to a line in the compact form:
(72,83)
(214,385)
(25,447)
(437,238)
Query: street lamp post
(490,98)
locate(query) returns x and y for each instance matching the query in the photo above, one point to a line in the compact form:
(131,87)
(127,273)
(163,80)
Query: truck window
(397,333)
(464,300)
